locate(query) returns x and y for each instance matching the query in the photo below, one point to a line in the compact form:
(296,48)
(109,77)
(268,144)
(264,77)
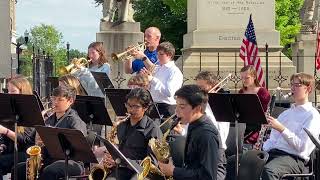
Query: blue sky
(77,20)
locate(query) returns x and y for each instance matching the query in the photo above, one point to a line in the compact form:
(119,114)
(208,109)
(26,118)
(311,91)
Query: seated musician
(134,134)
(138,81)
(203,141)
(25,135)
(289,146)
(70,80)
(165,79)
(63,117)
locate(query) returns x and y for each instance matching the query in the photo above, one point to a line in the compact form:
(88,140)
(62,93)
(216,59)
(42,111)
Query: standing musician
(97,63)
(165,80)
(251,86)
(147,58)
(70,80)
(134,134)
(289,147)
(25,135)
(203,141)
(63,117)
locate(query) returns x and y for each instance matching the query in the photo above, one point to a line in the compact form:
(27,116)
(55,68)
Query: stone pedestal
(116,38)
(216,28)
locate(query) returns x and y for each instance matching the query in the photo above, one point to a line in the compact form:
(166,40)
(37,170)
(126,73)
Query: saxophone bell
(33,163)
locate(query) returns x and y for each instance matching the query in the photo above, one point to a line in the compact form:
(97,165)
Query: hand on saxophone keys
(167,169)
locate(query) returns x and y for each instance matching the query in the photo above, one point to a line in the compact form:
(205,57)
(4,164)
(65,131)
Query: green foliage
(74,53)
(288,22)
(166,16)
(45,38)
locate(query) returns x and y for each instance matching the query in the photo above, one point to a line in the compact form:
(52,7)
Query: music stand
(119,158)
(243,108)
(92,110)
(67,144)
(20,110)
(38,100)
(117,98)
(313,139)
(102,80)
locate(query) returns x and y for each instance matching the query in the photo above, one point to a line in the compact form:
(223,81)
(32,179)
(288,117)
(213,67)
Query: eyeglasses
(132,106)
(296,84)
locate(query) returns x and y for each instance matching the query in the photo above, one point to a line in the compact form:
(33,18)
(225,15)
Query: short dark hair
(207,76)
(142,95)
(65,91)
(167,48)
(193,95)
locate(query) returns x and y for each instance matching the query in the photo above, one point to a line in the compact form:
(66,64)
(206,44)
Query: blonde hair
(24,87)
(22,84)
(138,80)
(73,82)
(252,72)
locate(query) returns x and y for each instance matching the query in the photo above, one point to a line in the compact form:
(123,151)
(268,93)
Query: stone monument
(118,34)
(218,26)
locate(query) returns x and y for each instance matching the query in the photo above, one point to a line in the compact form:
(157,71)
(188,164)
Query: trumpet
(221,84)
(72,67)
(126,54)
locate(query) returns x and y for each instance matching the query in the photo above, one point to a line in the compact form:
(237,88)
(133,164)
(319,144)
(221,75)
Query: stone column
(218,26)
(7,21)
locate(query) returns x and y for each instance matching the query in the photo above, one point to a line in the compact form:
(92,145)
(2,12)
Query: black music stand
(119,158)
(92,110)
(313,138)
(102,80)
(237,108)
(38,100)
(67,144)
(117,98)
(20,110)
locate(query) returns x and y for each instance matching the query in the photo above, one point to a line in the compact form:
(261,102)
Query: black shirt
(133,140)
(70,120)
(201,152)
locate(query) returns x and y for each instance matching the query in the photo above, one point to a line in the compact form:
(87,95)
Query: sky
(77,20)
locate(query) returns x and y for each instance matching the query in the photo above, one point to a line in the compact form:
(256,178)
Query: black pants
(7,161)
(222,162)
(122,174)
(53,171)
(166,109)
(280,163)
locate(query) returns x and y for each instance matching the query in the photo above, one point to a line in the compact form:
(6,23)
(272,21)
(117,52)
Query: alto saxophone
(33,163)
(100,171)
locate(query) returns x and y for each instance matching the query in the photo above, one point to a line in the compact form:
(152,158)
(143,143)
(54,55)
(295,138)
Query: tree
(46,38)
(74,53)
(288,22)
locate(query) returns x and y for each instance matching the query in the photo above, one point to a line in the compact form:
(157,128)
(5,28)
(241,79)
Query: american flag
(318,52)
(249,51)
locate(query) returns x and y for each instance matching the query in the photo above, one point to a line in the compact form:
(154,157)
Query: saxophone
(100,171)
(33,163)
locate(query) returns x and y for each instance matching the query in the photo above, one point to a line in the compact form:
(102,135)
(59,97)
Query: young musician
(147,58)
(251,86)
(25,135)
(63,117)
(203,141)
(289,146)
(138,81)
(165,80)
(70,80)
(97,63)
(135,133)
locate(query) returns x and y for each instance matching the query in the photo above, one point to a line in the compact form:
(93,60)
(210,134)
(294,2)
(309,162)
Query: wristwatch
(144,58)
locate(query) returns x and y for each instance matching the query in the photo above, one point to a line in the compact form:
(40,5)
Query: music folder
(102,80)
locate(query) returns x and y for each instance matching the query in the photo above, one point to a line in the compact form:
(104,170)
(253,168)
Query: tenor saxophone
(100,171)
(33,163)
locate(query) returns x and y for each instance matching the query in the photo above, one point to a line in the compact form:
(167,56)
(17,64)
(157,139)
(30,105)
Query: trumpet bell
(66,69)
(126,54)
(72,66)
